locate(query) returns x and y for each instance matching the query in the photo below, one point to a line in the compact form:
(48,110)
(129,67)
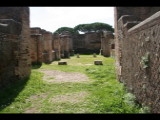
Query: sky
(52,18)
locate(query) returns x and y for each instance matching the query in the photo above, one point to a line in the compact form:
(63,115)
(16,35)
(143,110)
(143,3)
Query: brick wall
(48,54)
(65,44)
(87,43)
(106,42)
(56,46)
(137,57)
(36,46)
(15,63)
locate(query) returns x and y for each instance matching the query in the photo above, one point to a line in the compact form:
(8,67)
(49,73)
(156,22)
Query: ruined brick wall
(106,42)
(141,12)
(112,47)
(56,46)
(47,45)
(71,50)
(36,46)
(25,59)
(87,43)
(78,43)
(93,42)
(48,53)
(65,44)
(137,58)
(15,61)
(35,30)
(42,31)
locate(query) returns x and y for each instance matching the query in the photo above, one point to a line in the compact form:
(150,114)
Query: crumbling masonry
(15,61)
(107,42)
(36,42)
(87,43)
(137,46)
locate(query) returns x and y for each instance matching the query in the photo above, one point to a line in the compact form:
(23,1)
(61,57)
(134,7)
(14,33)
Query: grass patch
(104,93)
(13,98)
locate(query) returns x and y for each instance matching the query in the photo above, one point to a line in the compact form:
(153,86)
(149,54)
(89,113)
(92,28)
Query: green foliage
(13,98)
(144,109)
(62,29)
(110,95)
(93,27)
(97,26)
(145,60)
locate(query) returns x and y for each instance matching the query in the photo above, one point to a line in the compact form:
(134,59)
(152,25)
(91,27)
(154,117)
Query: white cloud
(52,18)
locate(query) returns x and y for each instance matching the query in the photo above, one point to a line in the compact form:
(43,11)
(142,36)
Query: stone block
(78,56)
(98,62)
(62,63)
(94,55)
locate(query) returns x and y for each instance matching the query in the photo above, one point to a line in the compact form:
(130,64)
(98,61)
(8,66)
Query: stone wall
(15,63)
(141,12)
(78,43)
(56,46)
(36,46)
(50,46)
(137,55)
(48,53)
(106,43)
(93,42)
(87,43)
(35,30)
(65,44)
(42,48)
(112,47)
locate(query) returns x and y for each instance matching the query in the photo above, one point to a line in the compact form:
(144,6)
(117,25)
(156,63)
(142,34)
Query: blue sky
(52,18)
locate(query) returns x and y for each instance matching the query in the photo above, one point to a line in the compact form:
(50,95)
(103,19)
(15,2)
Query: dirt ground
(55,76)
(59,76)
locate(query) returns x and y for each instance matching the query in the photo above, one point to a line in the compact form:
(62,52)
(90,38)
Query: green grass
(104,93)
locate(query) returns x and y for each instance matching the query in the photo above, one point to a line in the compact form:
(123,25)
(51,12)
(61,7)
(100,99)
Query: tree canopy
(62,29)
(92,27)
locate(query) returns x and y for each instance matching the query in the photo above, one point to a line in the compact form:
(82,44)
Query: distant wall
(106,43)
(65,44)
(87,43)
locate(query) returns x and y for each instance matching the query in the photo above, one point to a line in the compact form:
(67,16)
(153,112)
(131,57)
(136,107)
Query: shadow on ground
(9,93)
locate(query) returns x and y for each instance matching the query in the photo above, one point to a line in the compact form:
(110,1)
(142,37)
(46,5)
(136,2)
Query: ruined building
(15,61)
(36,40)
(137,46)
(56,46)
(42,46)
(47,47)
(88,43)
(48,53)
(107,42)
(78,43)
(94,42)
(65,44)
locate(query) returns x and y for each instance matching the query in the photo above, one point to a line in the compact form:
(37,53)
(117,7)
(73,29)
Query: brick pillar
(15,61)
